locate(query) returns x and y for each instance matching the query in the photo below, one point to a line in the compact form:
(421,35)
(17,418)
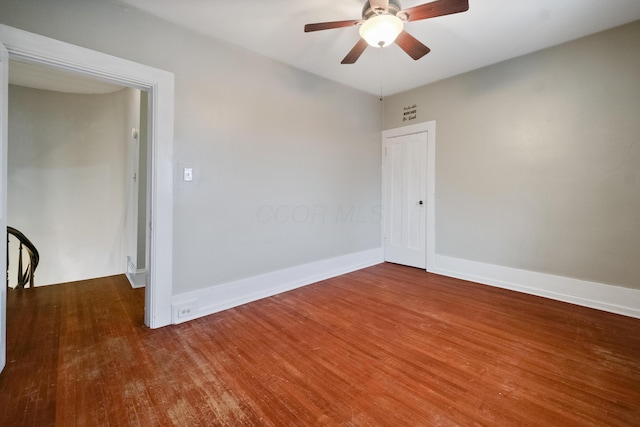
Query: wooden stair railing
(24,275)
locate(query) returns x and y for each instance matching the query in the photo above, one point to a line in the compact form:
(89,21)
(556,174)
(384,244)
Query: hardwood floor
(384,346)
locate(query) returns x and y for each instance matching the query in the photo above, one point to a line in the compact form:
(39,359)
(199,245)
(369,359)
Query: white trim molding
(160,86)
(200,303)
(137,277)
(4,135)
(614,299)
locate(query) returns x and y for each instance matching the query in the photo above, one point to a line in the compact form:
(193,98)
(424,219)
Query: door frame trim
(4,122)
(160,86)
(430,129)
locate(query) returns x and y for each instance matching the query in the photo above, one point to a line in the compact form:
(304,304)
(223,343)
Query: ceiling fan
(383,21)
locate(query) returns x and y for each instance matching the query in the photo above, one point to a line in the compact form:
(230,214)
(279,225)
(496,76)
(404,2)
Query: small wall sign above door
(410,113)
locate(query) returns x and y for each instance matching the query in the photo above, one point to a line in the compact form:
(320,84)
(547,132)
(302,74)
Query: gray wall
(261,137)
(538,159)
(66,180)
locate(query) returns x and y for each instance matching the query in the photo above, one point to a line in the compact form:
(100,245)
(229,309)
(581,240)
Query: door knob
(421,202)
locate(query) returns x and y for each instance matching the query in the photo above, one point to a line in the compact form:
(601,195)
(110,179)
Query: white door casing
(160,86)
(131,224)
(408,173)
(4,88)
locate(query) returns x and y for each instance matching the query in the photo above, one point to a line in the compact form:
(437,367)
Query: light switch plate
(188,174)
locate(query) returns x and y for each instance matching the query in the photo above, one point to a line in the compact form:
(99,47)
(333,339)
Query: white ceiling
(491,31)
(29,74)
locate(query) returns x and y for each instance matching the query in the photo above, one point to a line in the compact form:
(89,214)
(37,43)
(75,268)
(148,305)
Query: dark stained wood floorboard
(384,346)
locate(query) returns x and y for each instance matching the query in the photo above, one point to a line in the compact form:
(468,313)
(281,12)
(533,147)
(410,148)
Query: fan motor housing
(368,11)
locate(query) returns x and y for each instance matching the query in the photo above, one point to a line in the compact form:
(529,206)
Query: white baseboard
(137,278)
(192,305)
(615,299)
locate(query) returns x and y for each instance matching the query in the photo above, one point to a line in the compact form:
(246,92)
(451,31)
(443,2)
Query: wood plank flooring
(384,346)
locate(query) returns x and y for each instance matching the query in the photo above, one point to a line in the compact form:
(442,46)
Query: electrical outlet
(185,311)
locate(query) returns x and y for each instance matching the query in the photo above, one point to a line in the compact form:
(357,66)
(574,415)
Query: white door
(405,197)
(4,88)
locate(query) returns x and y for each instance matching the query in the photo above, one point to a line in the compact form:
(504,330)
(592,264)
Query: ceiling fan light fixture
(381,30)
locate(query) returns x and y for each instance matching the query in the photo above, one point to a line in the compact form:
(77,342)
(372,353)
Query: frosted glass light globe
(381,30)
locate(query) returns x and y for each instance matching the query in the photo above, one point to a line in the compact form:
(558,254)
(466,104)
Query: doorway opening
(77,177)
(159,84)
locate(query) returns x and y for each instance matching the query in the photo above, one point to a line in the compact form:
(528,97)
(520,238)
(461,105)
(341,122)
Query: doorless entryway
(160,85)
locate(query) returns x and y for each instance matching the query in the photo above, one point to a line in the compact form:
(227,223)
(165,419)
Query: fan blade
(330,25)
(436,8)
(355,53)
(379,5)
(411,45)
